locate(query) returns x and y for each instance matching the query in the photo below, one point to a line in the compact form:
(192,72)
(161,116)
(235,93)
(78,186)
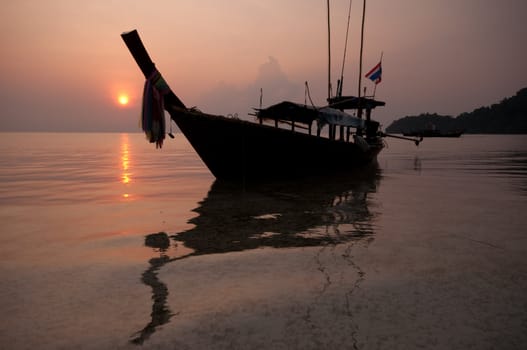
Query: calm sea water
(106,242)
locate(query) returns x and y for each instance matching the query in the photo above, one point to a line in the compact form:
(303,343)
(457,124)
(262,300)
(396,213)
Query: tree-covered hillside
(506,117)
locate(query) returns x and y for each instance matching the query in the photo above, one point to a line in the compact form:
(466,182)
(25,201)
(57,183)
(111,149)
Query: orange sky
(63,63)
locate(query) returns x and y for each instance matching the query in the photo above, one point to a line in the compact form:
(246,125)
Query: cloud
(226,98)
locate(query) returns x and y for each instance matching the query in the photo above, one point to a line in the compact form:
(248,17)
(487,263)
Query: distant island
(506,117)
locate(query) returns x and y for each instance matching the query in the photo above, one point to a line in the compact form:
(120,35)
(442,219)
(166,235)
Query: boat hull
(238,150)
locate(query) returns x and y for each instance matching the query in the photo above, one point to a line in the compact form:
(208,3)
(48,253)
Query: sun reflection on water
(126,176)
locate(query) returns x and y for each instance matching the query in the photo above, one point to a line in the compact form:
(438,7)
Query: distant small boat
(433,133)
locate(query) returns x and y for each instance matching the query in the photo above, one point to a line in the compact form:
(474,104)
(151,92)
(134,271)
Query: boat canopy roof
(299,113)
(289,111)
(353,102)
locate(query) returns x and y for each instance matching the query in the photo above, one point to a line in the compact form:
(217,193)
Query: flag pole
(375,87)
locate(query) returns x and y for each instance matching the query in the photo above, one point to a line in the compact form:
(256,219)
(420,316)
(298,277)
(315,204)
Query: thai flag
(375,74)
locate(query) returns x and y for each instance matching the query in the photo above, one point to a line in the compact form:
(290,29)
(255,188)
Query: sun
(123,99)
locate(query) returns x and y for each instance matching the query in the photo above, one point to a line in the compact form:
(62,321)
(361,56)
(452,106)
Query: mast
(361,46)
(339,87)
(329,54)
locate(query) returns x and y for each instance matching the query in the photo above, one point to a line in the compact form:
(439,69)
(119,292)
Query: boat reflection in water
(318,211)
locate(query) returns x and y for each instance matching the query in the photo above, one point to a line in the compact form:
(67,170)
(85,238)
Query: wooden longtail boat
(240,150)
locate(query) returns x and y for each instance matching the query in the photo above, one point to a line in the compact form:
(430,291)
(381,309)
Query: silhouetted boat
(433,133)
(239,150)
